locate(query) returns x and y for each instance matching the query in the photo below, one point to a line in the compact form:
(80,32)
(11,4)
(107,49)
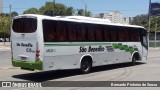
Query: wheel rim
(85,66)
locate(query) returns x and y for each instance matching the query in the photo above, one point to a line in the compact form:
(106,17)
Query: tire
(86,66)
(133,60)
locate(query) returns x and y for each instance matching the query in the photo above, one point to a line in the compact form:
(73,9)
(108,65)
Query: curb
(5,49)
(7,68)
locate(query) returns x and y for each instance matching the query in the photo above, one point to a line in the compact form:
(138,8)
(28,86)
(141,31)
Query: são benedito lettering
(94,49)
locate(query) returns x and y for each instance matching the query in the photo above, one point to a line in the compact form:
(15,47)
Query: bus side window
(134,35)
(113,33)
(80,32)
(72,34)
(98,33)
(120,36)
(90,33)
(137,36)
(50,36)
(126,34)
(61,31)
(106,33)
(45,32)
(123,34)
(49,31)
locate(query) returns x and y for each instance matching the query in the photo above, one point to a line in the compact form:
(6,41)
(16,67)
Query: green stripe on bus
(115,45)
(120,46)
(124,47)
(31,65)
(135,49)
(78,44)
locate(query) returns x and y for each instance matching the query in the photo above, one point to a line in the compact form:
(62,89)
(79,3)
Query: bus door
(24,38)
(144,43)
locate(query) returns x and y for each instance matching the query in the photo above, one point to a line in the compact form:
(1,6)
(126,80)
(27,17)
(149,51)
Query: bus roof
(81,19)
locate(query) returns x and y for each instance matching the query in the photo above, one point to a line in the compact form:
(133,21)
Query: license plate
(24,58)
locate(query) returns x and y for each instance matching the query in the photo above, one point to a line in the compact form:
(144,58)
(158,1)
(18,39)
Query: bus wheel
(86,66)
(133,60)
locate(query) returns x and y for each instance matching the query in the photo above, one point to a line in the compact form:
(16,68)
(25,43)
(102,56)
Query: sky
(129,8)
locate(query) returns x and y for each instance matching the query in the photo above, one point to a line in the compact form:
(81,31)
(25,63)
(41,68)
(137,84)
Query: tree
(88,14)
(57,9)
(31,11)
(70,11)
(82,12)
(13,14)
(142,20)
(153,22)
(4,25)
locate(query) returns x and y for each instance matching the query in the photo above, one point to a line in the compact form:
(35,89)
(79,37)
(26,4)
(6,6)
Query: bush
(6,35)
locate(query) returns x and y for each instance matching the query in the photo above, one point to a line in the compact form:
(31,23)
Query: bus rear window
(24,25)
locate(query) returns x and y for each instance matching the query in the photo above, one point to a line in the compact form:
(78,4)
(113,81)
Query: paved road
(5,46)
(149,71)
(5,55)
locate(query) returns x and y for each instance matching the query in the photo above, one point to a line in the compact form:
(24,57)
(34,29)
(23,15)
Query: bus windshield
(24,25)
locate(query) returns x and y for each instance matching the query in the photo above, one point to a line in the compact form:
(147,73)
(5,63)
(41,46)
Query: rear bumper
(37,65)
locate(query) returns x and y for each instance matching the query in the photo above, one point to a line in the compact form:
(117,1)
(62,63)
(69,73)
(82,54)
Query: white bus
(74,42)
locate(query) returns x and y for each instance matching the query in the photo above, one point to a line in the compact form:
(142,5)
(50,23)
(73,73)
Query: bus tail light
(37,51)
(37,55)
(37,59)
